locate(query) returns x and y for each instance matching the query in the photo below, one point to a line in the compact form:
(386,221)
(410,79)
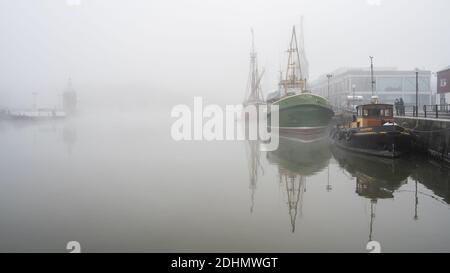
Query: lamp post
(417,92)
(371,74)
(329,76)
(353,99)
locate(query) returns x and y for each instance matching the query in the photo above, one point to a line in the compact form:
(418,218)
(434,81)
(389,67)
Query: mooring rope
(433,131)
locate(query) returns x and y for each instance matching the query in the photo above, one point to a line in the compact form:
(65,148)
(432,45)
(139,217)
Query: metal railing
(439,111)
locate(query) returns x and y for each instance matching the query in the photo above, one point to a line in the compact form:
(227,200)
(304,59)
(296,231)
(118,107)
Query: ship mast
(294,76)
(254,94)
(304,64)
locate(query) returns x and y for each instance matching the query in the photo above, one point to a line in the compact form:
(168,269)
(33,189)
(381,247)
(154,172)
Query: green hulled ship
(301,113)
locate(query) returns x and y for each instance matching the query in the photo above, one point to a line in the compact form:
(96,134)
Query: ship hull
(303,115)
(382,141)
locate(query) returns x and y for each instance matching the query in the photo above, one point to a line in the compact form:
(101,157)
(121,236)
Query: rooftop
(365,70)
(444,69)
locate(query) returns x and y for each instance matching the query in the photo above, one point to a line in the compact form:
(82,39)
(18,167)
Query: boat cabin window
(378,111)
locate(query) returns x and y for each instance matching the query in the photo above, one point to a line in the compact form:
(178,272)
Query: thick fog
(146,53)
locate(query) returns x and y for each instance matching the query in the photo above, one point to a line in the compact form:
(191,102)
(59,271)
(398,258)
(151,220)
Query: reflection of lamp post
(416,216)
(373,202)
(329,187)
(329,76)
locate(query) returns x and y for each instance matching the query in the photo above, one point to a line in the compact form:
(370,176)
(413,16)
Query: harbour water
(117,182)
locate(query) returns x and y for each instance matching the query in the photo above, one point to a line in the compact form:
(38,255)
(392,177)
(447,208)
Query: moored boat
(300,113)
(374,132)
(35,115)
(303,115)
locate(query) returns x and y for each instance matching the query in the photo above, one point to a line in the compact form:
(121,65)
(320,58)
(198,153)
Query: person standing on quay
(402,107)
(396,103)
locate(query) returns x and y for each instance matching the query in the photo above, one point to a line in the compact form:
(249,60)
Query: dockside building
(344,84)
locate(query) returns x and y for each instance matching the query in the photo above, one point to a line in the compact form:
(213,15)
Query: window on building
(410,84)
(387,84)
(362,83)
(443,82)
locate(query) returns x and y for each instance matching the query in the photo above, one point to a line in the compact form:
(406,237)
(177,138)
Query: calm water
(117,182)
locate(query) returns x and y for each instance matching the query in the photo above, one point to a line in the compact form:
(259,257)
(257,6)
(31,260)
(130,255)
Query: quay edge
(432,136)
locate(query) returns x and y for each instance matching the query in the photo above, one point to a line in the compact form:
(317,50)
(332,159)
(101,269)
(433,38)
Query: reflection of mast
(295,187)
(416,216)
(254,94)
(253,156)
(373,203)
(329,187)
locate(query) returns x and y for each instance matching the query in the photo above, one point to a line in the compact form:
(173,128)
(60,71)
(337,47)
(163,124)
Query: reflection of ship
(296,161)
(376,178)
(305,159)
(254,166)
(299,110)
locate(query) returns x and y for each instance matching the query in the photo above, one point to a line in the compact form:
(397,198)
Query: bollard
(437,112)
(425,110)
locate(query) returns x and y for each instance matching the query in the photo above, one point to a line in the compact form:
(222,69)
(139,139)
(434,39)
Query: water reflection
(69,136)
(434,176)
(118,191)
(375,178)
(63,131)
(296,161)
(255,168)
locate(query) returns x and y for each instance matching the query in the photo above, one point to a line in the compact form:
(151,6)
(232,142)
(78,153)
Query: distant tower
(69,99)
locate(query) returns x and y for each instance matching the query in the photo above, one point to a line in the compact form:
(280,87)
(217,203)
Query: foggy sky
(172,50)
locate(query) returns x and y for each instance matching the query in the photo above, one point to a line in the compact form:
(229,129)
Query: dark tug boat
(374,132)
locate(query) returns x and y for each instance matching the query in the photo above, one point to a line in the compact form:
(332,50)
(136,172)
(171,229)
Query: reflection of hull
(376,177)
(293,155)
(305,135)
(296,160)
(383,141)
